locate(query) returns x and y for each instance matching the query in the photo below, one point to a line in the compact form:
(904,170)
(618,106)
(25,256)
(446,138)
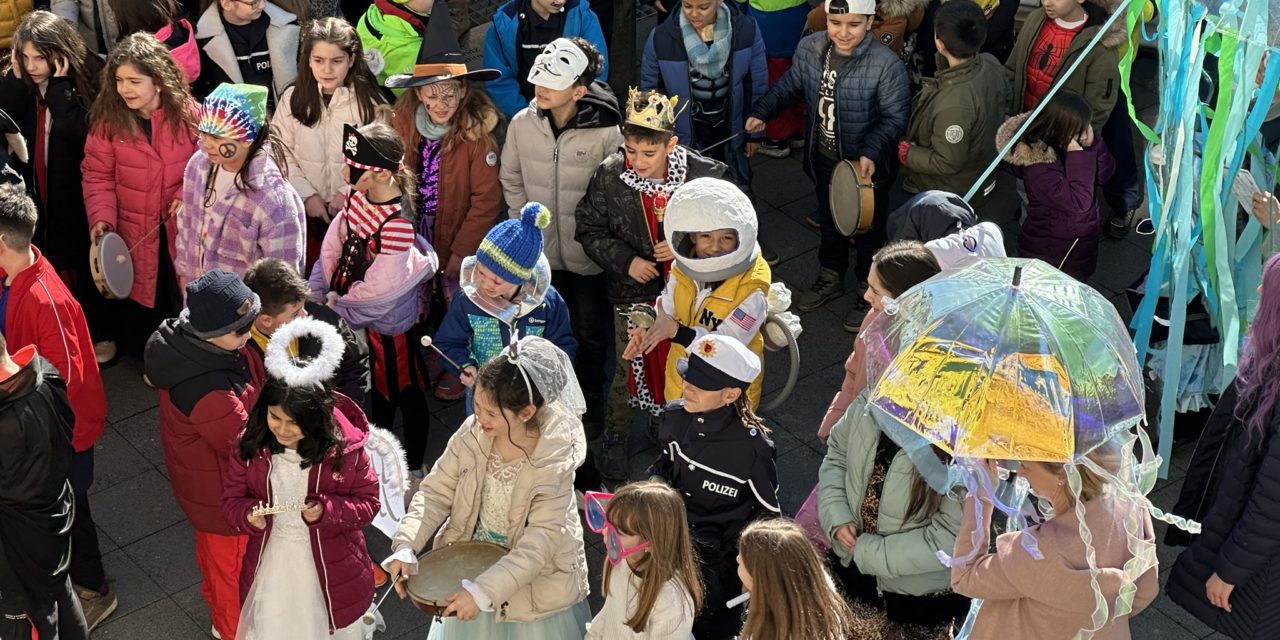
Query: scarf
(677,166)
(426,127)
(708,60)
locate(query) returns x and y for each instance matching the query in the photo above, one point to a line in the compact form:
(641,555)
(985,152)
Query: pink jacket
(349,495)
(186,54)
(855,380)
(130,183)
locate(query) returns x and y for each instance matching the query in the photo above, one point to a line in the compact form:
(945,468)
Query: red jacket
(42,313)
(349,495)
(205,397)
(129,183)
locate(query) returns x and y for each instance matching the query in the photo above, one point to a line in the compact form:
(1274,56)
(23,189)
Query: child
(844,77)
(573,119)
(57,79)
(718,454)
(619,223)
(392,32)
(284,295)
(710,56)
(893,25)
(719,283)
(162,19)
(303,447)
(650,582)
(39,311)
(781,25)
(1052,38)
(334,88)
(247,42)
(371,270)
(508,294)
(521,29)
(951,137)
(37,501)
(144,132)
(518,453)
(237,205)
(1061,161)
(448,126)
(792,595)
(208,383)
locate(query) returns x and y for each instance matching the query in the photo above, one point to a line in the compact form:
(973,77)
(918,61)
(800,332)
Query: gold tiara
(652,110)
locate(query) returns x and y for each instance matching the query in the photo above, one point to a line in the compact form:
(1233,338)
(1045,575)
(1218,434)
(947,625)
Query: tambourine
(441,572)
(852,200)
(111,266)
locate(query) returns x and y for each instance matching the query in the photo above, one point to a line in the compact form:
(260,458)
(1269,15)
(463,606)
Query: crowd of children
(331,218)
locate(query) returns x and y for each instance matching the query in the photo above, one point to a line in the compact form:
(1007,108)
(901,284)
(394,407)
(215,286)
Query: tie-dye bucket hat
(235,111)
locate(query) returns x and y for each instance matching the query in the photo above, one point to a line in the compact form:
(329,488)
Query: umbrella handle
(793,374)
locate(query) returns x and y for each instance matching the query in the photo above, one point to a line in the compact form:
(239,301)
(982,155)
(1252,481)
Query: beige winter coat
(538,167)
(315,153)
(546,570)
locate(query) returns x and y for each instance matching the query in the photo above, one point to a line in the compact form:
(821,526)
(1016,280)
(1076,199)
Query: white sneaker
(214,632)
(104,351)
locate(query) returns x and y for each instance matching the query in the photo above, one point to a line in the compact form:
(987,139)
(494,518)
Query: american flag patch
(743,319)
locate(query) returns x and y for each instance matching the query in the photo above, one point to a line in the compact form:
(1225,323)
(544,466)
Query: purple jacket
(349,496)
(266,221)
(1062,222)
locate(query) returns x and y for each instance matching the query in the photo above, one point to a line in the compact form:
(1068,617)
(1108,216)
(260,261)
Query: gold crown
(652,110)
(263,509)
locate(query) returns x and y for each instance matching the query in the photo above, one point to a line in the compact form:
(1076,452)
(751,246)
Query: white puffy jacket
(315,153)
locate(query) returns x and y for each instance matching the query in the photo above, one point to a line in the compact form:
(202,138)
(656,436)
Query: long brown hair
(150,16)
(655,512)
(305,103)
(52,36)
(384,138)
(475,119)
(146,54)
(1065,118)
(792,595)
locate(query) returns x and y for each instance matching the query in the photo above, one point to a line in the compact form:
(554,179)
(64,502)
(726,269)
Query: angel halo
(313,372)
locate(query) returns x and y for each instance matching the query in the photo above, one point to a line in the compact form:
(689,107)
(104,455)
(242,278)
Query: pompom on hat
(511,249)
(235,111)
(720,362)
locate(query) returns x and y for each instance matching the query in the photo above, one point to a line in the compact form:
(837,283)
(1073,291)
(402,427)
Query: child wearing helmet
(719,283)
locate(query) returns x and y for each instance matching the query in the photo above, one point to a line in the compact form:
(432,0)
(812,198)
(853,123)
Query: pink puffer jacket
(188,53)
(349,496)
(130,183)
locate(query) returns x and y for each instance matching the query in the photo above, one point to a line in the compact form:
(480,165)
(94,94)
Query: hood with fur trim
(900,8)
(1023,153)
(1099,11)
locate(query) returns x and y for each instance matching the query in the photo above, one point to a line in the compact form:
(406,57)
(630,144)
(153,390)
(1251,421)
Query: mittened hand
(903,148)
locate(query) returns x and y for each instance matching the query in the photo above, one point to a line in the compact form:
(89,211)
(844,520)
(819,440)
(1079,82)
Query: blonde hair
(655,512)
(792,594)
(1092,485)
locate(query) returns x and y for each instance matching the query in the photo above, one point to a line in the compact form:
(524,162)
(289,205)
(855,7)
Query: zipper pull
(555,155)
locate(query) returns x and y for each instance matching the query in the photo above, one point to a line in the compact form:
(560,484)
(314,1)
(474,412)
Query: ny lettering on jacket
(709,320)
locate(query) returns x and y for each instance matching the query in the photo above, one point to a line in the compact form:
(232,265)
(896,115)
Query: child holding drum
(650,583)
(301,485)
(506,477)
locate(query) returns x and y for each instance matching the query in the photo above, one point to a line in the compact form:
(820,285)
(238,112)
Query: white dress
(285,602)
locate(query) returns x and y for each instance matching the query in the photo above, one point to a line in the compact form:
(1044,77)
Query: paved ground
(148,544)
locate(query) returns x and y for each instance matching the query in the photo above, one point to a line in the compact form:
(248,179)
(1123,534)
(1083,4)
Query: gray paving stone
(168,557)
(800,416)
(126,393)
(192,603)
(114,461)
(787,237)
(136,508)
(134,589)
(1153,623)
(161,619)
(143,432)
(1123,266)
(797,474)
(780,182)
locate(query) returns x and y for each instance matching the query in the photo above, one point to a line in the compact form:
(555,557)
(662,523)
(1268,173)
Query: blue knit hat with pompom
(511,249)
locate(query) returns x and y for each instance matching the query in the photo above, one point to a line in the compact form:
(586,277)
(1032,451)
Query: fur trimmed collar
(1023,154)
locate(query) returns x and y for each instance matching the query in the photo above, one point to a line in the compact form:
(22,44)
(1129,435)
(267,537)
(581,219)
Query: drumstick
(738,600)
(426,342)
(710,147)
(369,616)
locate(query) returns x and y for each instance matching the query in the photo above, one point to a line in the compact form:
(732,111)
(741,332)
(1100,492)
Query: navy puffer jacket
(873,99)
(1233,489)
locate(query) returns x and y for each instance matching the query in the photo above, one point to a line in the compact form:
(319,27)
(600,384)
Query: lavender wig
(1259,373)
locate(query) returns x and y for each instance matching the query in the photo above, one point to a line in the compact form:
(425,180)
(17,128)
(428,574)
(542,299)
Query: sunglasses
(599,523)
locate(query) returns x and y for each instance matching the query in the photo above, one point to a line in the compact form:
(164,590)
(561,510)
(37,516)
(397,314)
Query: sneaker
(812,220)
(450,388)
(1120,225)
(826,288)
(853,321)
(213,631)
(770,256)
(97,606)
(614,463)
(796,141)
(104,351)
(775,148)
(147,381)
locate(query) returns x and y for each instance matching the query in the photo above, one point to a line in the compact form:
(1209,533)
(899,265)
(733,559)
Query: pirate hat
(359,153)
(439,57)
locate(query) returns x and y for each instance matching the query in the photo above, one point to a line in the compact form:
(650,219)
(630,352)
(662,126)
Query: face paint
(445,92)
(227,150)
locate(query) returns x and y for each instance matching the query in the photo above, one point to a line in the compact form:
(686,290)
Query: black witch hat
(440,57)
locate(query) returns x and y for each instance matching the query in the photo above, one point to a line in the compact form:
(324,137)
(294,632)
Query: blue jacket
(469,335)
(782,26)
(500,49)
(873,99)
(665,67)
